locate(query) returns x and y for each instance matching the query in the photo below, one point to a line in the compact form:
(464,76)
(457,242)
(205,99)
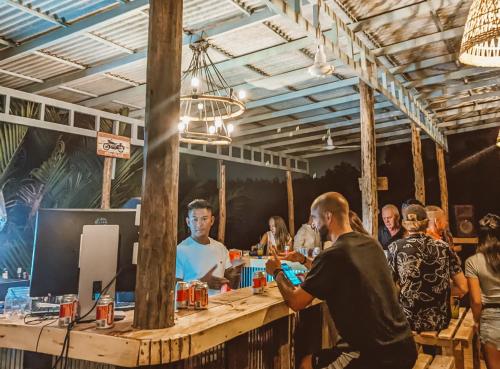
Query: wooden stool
(446,340)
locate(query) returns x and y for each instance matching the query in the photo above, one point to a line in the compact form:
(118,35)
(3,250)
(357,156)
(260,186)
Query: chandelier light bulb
(195,82)
(230,128)
(200,106)
(181,126)
(211,130)
(242,94)
(218,122)
(185,120)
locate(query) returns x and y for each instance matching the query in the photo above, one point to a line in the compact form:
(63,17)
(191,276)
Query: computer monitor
(56,248)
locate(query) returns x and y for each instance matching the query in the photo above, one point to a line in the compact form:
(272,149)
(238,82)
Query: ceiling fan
(329,145)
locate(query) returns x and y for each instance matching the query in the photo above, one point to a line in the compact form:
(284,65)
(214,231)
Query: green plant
(11,139)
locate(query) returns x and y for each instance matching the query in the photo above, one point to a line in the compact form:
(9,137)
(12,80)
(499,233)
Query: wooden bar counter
(196,331)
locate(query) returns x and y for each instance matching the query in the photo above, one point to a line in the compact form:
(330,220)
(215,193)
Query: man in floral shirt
(423,268)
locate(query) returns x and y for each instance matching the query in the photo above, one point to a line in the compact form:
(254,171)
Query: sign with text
(113,146)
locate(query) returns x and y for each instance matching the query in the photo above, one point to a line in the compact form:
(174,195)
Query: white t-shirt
(194,260)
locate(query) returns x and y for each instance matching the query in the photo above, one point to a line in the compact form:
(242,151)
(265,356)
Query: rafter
(291,140)
(400,14)
(27,8)
(419,41)
(122,10)
(367,68)
(300,122)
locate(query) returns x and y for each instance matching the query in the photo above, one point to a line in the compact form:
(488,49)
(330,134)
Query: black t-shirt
(354,279)
(385,238)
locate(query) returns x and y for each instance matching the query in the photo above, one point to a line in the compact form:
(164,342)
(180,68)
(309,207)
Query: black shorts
(344,357)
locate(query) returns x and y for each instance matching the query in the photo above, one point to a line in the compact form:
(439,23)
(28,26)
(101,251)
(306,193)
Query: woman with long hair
(356,223)
(483,276)
(277,236)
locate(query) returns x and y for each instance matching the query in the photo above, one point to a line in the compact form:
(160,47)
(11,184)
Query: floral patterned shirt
(423,267)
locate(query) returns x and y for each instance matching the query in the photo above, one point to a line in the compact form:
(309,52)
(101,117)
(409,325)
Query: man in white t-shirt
(200,257)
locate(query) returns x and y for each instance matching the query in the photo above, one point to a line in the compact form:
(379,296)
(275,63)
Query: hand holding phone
(290,275)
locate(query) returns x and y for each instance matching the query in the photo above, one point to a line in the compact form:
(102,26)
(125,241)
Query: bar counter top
(228,315)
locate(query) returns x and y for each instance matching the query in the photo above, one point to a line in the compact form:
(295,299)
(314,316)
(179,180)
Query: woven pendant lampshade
(481,40)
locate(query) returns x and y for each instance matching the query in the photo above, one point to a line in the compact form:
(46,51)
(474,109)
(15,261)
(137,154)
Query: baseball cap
(414,213)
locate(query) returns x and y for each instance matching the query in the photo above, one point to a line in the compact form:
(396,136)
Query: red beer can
(201,296)
(105,312)
(257,283)
(68,310)
(182,297)
(192,285)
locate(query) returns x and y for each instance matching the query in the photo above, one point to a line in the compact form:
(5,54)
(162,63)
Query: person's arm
(475,298)
(213,282)
(297,257)
(472,274)
(458,277)
(263,240)
(296,298)
(460,284)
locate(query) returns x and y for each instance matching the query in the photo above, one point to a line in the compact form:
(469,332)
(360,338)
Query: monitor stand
(98,261)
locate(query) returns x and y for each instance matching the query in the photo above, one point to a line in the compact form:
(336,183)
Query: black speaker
(464,221)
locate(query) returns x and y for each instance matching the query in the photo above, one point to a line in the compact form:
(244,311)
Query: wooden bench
(445,339)
(425,361)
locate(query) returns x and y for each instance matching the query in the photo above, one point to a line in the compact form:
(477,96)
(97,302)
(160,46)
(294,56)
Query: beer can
(287,249)
(192,286)
(68,310)
(182,297)
(105,312)
(201,296)
(257,282)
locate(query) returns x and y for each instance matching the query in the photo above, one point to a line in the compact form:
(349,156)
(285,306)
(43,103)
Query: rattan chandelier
(481,40)
(207,101)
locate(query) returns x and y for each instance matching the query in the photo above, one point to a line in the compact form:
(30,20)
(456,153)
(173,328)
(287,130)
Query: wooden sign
(382,183)
(113,146)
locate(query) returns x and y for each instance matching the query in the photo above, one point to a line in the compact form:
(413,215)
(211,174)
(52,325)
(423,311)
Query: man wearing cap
(423,268)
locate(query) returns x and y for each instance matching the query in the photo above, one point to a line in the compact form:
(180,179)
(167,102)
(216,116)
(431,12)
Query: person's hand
(214,283)
(273,262)
(233,274)
(476,328)
(295,257)
(306,362)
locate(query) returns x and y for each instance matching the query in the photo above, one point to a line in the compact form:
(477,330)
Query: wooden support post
(418,165)
(222,202)
(368,159)
(106,183)
(291,215)
(443,183)
(155,283)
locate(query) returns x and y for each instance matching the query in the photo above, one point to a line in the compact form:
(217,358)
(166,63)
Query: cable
(65,348)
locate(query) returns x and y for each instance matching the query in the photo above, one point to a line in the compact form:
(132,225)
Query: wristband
(276,272)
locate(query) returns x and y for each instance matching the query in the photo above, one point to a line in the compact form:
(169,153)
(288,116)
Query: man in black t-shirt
(354,279)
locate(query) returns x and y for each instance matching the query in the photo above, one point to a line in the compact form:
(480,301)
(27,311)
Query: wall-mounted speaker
(464,221)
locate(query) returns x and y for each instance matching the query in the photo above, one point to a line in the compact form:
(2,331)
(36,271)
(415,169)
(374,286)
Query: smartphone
(290,275)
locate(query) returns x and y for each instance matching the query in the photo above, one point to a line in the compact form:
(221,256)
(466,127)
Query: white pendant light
(320,68)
